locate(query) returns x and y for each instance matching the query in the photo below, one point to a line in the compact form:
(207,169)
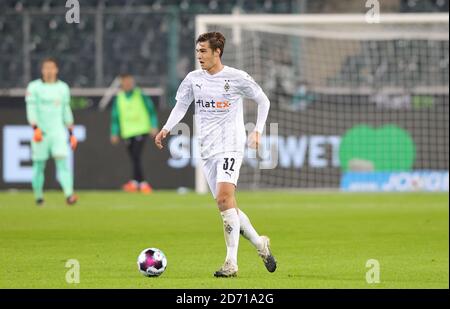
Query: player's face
(49,71)
(127,83)
(206,56)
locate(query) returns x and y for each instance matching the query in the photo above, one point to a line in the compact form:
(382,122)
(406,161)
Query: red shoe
(145,188)
(131,186)
(71,200)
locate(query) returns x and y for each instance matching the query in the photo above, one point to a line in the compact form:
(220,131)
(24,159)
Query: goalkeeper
(48,112)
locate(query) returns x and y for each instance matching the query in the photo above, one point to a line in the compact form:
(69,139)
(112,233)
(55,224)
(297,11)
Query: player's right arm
(251,90)
(184,98)
(115,125)
(31,100)
(31,103)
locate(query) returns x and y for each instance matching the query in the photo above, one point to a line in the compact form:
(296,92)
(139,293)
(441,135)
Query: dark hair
(49,59)
(126,75)
(215,39)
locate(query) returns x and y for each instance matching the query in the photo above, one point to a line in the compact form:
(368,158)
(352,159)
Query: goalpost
(348,96)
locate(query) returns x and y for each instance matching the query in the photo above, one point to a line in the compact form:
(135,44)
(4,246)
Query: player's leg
(64,176)
(40,153)
(144,186)
(261,243)
(247,230)
(227,167)
(38,180)
(231,227)
(229,171)
(65,179)
(59,150)
(209,167)
(133,184)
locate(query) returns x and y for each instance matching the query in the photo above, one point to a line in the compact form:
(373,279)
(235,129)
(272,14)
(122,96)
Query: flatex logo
(213,104)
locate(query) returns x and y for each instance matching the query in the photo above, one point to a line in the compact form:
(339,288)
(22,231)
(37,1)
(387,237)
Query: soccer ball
(151,262)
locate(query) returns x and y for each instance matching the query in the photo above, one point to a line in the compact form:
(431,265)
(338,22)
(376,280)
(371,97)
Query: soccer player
(218,92)
(48,112)
(133,118)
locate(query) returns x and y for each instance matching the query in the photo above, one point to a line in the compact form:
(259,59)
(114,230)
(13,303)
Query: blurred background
(359,106)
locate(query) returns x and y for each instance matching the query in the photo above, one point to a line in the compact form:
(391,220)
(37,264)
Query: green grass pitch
(321,240)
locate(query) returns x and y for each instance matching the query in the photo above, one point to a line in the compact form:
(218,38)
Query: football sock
(248,231)
(230,219)
(37,182)
(64,176)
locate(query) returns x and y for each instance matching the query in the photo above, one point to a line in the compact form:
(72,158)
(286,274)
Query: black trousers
(135,146)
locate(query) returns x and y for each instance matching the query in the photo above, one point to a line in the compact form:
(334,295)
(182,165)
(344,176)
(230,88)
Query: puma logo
(199,86)
(228,174)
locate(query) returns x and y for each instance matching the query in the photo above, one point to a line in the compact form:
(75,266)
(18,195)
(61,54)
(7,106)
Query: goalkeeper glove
(73,140)
(37,134)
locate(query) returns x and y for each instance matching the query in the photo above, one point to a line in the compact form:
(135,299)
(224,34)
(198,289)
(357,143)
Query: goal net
(354,105)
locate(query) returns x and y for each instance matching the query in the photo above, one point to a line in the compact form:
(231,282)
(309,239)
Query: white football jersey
(219,115)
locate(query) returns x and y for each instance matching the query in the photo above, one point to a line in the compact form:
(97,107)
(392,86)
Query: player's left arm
(263,111)
(68,117)
(251,90)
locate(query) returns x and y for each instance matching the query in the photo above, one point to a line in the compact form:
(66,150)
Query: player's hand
(73,142)
(254,140)
(159,138)
(153,132)
(114,139)
(37,135)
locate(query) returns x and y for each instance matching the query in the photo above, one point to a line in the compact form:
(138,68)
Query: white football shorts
(223,167)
